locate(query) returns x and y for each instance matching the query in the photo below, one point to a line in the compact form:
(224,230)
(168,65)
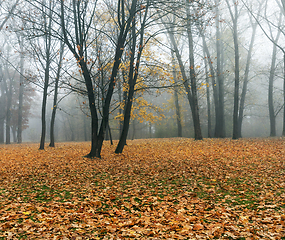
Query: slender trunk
(8,113)
(21,93)
(177,106)
(93,111)
(134,129)
(14,134)
(119,52)
(220,123)
(236,90)
(46,77)
(245,81)
(195,109)
(129,102)
(110,134)
(182,69)
(52,122)
(3,107)
(283,133)
(208,98)
(120,101)
(124,25)
(270,91)
(1,129)
(44,103)
(214,84)
(133,75)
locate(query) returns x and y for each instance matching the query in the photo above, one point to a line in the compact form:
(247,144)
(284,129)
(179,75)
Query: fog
(194,70)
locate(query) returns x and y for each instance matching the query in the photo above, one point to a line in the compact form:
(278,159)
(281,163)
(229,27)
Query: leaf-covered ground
(156,189)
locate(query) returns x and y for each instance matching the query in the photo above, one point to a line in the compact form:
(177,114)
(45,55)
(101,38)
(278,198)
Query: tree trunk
(245,81)
(236,90)
(283,133)
(183,72)
(44,103)
(195,108)
(46,77)
(129,102)
(8,113)
(134,129)
(208,97)
(52,122)
(133,75)
(1,130)
(3,107)
(110,134)
(177,106)
(270,90)
(220,131)
(214,84)
(97,138)
(21,93)
(14,134)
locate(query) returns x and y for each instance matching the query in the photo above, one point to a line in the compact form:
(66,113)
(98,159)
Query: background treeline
(95,70)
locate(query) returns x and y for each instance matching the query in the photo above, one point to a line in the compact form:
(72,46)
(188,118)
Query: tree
(55,100)
(47,38)
(77,42)
(21,91)
(220,119)
(177,106)
(246,71)
(133,73)
(188,82)
(234,16)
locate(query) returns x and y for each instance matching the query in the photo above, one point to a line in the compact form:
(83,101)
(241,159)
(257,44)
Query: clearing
(157,189)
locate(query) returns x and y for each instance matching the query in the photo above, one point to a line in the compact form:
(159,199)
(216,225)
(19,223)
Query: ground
(157,189)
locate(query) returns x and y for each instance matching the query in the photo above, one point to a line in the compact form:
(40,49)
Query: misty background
(223,33)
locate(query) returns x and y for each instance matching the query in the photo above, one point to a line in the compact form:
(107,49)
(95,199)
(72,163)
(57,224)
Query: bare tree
(77,42)
(133,72)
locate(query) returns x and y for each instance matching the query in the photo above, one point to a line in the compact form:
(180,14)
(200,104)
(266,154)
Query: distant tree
(220,130)
(254,24)
(234,16)
(21,91)
(189,82)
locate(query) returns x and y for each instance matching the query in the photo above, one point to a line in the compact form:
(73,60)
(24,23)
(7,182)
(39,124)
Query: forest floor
(157,189)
